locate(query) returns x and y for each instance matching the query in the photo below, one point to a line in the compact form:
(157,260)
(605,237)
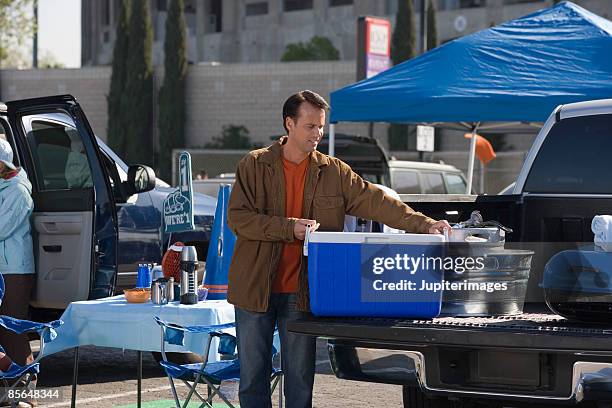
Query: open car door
(74,225)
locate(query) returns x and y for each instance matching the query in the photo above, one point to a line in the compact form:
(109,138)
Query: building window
(522,1)
(190,6)
(472,3)
(334,3)
(215,16)
(257,9)
(459,4)
(106,12)
(294,5)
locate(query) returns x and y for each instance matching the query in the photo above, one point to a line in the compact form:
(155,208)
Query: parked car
(95,218)
(537,359)
(368,159)
(412,177)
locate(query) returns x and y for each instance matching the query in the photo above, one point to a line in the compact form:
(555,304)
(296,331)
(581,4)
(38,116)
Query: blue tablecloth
(112,322)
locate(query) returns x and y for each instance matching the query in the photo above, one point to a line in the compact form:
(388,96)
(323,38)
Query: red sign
(378,36)
(377,46)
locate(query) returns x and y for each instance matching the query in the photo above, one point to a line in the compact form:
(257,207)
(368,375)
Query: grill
(527,322)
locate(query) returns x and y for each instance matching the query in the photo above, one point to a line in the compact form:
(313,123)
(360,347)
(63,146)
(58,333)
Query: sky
(59,31)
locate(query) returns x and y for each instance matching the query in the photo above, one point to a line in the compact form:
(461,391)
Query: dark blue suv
(95,218)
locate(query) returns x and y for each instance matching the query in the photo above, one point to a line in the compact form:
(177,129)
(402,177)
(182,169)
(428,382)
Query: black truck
(534,359)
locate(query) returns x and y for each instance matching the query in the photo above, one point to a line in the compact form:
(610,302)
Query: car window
(574,158)
(406,182)
(58,152)
(455,184)
(122,168)
(432,183)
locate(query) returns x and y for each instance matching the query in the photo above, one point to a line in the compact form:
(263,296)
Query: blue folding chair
(209,373)
(19,374)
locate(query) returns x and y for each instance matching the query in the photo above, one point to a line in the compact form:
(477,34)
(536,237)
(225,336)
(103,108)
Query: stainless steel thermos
(189,264)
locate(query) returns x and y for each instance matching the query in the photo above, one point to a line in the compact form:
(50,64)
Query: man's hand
(299,229)
(439,227)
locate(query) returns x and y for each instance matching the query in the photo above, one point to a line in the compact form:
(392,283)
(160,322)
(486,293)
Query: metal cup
(159,291)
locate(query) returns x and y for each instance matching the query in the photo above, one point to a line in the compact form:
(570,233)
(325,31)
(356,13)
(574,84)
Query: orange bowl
(137,295)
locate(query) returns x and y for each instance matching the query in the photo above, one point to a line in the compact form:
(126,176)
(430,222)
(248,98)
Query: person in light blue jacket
(16,253)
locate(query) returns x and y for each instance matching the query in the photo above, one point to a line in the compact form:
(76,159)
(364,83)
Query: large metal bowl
(506,268)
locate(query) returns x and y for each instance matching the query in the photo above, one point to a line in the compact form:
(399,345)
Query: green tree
(404,37)
(432,29)
(402,49)
(137,100)
(231,137)
(16,28)
(317,49)
(116,128)
(171,120)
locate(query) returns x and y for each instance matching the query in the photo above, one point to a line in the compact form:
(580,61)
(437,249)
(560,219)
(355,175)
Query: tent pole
(470,174)
(332,139)
(481,166)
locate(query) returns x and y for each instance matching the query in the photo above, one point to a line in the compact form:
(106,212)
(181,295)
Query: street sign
(178,206)
(425,138)
(374,46)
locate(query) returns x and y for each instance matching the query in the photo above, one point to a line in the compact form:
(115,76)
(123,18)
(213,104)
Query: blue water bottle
(143,278)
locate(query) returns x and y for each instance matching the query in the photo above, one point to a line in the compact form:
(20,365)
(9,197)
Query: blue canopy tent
(508,77)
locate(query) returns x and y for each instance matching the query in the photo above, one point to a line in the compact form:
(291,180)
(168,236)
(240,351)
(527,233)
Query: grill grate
(530,322)
(526,322)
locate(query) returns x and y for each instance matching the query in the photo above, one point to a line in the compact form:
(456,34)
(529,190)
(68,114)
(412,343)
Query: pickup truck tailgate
(529,330)
(529,357)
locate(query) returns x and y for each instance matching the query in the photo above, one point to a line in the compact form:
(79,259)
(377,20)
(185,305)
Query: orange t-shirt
(286,279)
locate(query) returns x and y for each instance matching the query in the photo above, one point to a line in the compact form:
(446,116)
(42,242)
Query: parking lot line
(113,396)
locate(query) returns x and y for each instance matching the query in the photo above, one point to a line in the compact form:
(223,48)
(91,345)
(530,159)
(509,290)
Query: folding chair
(24,373)
(209,373)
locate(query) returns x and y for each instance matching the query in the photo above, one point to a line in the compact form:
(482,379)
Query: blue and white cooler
(375,274)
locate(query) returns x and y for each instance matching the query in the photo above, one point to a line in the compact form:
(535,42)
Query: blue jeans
(255,332)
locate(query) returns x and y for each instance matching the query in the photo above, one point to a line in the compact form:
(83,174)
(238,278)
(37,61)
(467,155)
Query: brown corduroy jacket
(256,214)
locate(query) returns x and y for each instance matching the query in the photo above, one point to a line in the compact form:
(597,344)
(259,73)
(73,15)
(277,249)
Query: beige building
(247,31)
(248,38)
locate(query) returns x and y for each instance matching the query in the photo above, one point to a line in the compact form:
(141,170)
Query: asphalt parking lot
(107,378)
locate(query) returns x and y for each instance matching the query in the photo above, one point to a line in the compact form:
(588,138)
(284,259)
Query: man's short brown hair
(292,104)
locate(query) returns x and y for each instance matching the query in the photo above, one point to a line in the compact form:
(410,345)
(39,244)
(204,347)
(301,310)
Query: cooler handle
(377,240)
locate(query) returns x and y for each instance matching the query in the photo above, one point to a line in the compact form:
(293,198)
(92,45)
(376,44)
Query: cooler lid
(373,238)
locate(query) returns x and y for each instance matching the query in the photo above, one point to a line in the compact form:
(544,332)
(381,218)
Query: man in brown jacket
(279,192)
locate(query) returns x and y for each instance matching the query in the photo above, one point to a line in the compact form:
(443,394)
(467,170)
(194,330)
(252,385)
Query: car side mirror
(141,178)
